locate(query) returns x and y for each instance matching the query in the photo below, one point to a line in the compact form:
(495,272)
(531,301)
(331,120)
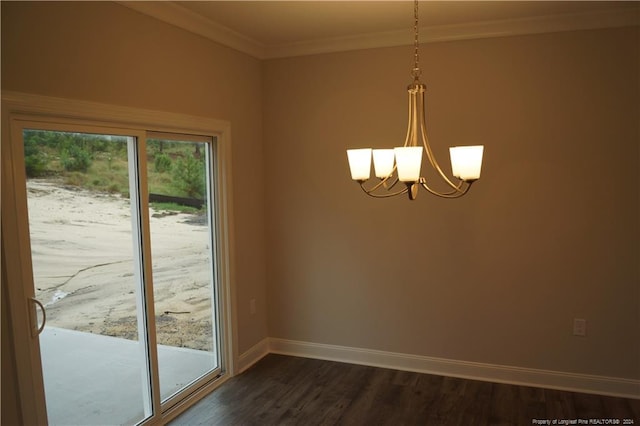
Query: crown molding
(179,16)
(611,18)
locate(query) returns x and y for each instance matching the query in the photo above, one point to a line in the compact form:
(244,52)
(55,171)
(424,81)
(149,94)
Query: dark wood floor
(283,390)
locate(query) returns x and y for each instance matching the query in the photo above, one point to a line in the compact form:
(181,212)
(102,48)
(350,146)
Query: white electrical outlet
(579,327)
(252,306)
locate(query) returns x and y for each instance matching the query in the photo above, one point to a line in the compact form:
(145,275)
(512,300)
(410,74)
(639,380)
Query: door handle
(35,331)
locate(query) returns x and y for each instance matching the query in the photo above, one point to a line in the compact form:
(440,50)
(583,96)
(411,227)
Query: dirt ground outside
(85,270)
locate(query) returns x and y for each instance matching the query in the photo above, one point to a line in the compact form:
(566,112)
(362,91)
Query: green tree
(188,173)
(162,163)
(35,159)
(75,158)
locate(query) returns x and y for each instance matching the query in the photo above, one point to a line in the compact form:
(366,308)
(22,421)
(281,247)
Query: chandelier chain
(416,67)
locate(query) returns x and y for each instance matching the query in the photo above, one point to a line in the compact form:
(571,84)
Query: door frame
(15,238)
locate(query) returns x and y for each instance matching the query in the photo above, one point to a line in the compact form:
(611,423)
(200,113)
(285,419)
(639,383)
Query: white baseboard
(612,386)
(253,355)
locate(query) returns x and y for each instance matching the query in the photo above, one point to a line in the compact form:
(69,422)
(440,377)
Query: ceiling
(267,29)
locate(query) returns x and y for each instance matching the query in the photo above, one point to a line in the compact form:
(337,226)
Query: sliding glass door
(122,237)
(181,202)
(87,274)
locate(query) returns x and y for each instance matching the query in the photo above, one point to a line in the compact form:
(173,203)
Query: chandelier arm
(371,194)
(434,162)
(383,184)
(409,123)
(384,180)
(419,111)
(389,186)
(458,192)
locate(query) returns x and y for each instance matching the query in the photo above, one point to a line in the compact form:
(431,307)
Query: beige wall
(549,233)
(105,52)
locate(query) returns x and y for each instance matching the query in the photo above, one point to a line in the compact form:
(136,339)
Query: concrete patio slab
(92,379)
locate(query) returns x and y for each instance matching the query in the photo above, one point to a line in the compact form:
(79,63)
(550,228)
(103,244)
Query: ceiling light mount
(402,164)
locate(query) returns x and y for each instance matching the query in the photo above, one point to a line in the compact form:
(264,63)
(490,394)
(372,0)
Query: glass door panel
(84,232)
(179,183)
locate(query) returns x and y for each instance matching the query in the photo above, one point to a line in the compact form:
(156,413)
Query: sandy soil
(85,273)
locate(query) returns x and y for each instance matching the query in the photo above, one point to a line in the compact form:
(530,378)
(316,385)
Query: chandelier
(402,164)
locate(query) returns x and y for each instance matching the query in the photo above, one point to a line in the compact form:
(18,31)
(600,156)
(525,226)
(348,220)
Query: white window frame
(139,121)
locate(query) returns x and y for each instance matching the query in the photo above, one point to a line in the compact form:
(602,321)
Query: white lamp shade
(408,159)
(466,161)
(359,163)
(383,162)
